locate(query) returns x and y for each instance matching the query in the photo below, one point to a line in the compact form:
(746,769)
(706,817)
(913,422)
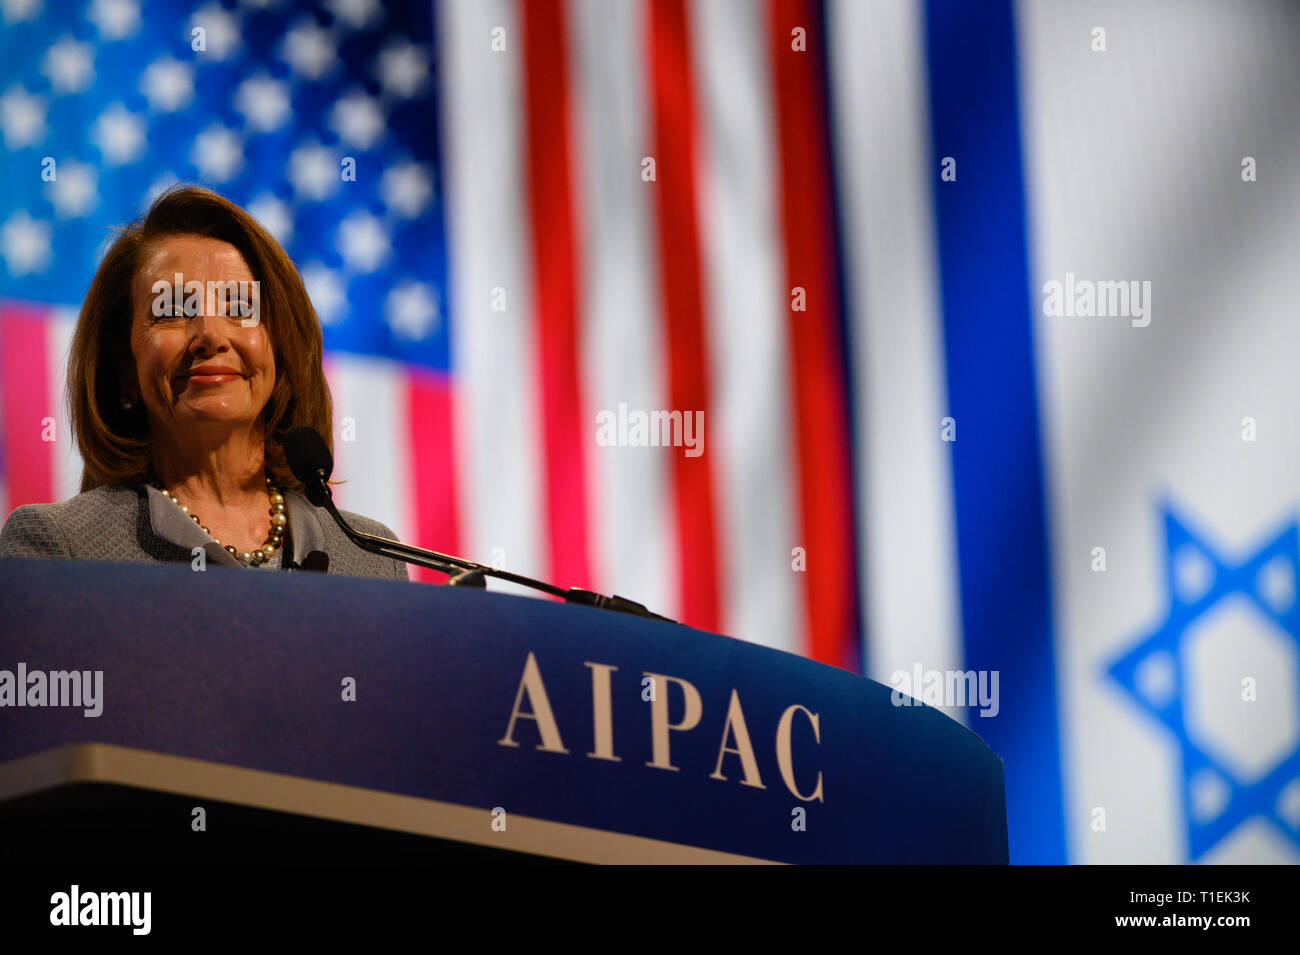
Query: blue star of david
(1235,801)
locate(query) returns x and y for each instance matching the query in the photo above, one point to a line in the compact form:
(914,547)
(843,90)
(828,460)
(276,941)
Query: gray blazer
(134,522)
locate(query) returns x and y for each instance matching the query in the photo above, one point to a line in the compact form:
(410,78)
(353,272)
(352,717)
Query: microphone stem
(459,569)
(443,563)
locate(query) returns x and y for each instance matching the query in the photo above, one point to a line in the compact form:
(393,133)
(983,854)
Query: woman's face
(208,372)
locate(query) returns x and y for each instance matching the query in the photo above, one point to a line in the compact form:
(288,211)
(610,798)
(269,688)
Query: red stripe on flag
(432,471)
(25,397)
(820,394)
(675,151)
(550,196)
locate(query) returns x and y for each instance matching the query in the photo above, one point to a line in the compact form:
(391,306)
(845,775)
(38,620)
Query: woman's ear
(130,388)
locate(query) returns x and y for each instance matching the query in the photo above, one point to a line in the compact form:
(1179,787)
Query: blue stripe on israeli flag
(998,484)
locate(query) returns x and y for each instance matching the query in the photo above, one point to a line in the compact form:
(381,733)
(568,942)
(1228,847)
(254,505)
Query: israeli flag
(1078,405)
(1168,162)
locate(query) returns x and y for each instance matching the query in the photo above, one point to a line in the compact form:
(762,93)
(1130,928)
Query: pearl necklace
(260,555)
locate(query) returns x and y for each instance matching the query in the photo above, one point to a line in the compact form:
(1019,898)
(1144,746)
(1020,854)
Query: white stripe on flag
(749,435)
(65,462)
(621,346)
(370,409)
(904,478)
(494,354)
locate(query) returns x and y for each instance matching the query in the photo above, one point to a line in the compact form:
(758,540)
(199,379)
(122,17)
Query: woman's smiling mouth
(210,375)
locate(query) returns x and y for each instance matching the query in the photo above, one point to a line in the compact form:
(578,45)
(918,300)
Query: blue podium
(176,710)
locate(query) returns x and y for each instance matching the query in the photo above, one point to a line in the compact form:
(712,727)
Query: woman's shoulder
(367,525)
(51,530)
(347,558)
(92,504)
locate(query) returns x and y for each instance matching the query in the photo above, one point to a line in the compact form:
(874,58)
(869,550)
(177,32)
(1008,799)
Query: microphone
(310,461)
(317,560)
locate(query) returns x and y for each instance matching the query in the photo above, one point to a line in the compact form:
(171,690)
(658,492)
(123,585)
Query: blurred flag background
(830,228)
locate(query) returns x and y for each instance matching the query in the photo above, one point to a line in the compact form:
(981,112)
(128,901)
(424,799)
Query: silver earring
(127,403)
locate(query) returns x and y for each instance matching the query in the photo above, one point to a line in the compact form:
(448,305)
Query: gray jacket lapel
(304,525)
(172,524)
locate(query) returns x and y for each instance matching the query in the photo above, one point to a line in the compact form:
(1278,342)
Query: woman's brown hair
(114,442)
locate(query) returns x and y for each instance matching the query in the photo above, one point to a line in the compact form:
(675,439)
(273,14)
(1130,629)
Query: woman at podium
(195,352)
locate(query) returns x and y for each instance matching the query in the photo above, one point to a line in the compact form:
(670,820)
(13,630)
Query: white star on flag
(220,32)
(358,119)
(218,152)
(74,190)
(406,188)
(26,244)
(356,14)
(116,19)
(314,171)
(16,11)
(309,49)
(326,293)
(264,102)
(411,310)
(69,65)
(402,69)
(120,135)
(274,214)
(22,117)
(168,84)
(363,242)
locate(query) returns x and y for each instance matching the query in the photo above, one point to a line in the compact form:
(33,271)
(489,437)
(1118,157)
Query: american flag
(825,226)
(511,218)
(321,124)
